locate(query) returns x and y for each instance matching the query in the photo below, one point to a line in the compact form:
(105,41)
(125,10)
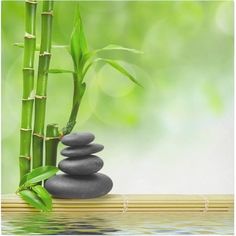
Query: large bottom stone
(87,186)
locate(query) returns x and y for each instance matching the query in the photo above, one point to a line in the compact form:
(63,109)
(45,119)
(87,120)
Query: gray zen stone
(78,139)
(81,166)
(84,186)
(82,151)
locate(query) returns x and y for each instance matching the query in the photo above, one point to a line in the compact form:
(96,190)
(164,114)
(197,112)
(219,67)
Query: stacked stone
(81,179)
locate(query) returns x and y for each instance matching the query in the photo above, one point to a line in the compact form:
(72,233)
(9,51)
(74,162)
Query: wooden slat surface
(130,203)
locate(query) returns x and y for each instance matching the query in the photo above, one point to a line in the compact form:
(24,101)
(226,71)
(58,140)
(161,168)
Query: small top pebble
(78,139)
(81,151)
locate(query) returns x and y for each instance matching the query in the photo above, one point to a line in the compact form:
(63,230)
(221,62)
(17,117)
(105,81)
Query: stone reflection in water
(51,224)
(117,223)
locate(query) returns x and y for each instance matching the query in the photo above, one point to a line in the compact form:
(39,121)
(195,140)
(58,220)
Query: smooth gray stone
(81,166)
(82,151)
(84,186)
(78,139)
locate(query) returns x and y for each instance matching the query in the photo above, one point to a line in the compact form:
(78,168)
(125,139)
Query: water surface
(117,223)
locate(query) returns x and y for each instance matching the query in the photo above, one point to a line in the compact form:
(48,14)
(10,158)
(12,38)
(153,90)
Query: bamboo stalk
(112,210)
(78,76)
(41,91)
(131,203)
(78,92)
(147,206)
(143,199)
(137,198)
(28,87)
(51,143)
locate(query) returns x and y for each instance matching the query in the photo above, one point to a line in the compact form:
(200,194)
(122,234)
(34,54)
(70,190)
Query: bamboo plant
(41,90)
(28,87)
(29,188)
(83,59)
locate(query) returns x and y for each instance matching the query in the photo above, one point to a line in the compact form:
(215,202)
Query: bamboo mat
(130,203)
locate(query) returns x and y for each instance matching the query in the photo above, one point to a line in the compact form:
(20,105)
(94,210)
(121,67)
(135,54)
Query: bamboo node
(51,138)
(39,135)
(28,68)
(49,13)
(206,204)
(26,157)
(29,36)
(45,54)
(31,2)
(40,97)
(27,99)
(125,204)
(25,129)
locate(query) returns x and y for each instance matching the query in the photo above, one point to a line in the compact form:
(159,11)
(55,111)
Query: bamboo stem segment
(28,87)
(131,203)
(41,90)
(79,89)
(51,143)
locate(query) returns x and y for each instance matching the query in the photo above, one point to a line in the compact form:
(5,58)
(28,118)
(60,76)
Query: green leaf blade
(120,69)
(87,67)
(110,47)
(43,195)
(114,47)
(39,174)
(78,45)
(24,178)
(32,199)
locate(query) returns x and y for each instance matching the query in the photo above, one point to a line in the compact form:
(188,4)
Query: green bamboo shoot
(28,87)
(83,59)
(79,89)
(51,143)
(41,90)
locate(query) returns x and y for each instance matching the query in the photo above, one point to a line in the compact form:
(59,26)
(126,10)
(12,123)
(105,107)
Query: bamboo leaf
(32,199)
(43,195)
(59,71)
(122,70)
(116,66)
(111,47)
(90,64)
(38,174)
(85,70)
(78,45)
(24,178)
(119,48)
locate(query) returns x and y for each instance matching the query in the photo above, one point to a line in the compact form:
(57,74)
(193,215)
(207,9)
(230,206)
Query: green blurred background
(173,136)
